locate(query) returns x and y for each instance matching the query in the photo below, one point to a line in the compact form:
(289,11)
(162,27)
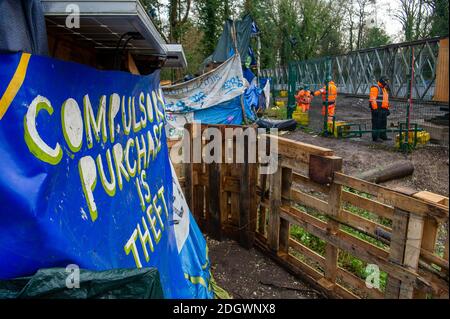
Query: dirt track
(431,170)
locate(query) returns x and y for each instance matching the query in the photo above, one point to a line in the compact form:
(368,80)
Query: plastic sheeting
(212,88)
(86,178)
(60,283)
(22,27)
(225,46)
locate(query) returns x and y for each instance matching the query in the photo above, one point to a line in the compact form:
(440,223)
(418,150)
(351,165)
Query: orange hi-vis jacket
(378,97)
(332,94)
(303,99)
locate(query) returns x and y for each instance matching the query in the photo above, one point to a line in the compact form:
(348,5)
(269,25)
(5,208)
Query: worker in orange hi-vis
(332,95)
(303,98)
(379,106)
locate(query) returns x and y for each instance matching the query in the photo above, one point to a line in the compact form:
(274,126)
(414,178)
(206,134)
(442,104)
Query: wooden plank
(297,150)
(432,197)
(262,206)
(294,164)
(397,250)
(412,252)
(214,201)
(363,244)
(364,224)
(334,290)
(368,204)
(352,240)
(356,248)
(441,90)
(307,183)
(286,183)
(343,216)
(390,197)
(439,286)
(342,274)
(309,253)
(334,210)
(358,284)
(302,198)
(430,232)
(432,258)
(321,168)
(247,200)
(189,173)
(274,215)
(231,183)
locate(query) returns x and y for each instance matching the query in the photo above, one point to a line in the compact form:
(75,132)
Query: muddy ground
(430,161)
(248,274)
(431,170)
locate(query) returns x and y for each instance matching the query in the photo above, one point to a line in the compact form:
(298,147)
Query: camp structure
(228,92)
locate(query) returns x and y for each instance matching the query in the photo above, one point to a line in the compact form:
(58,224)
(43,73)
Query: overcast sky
(384,11)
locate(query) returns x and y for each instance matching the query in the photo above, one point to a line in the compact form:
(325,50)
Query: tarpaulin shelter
(244,29)
(228,94)
(216,97)
(22,27)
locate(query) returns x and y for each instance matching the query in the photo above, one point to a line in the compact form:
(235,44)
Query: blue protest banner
(85,176)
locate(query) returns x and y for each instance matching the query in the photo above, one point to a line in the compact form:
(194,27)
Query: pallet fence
(399,232)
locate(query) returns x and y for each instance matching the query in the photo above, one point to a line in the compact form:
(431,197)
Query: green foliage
(439,18)
(347,261)
(209,21)
(307,239)
(297,29)
(375,37)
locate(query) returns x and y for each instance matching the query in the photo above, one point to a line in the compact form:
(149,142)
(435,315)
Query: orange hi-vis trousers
(331,109)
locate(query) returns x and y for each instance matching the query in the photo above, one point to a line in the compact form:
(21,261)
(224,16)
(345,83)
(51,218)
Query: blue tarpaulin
(85,176)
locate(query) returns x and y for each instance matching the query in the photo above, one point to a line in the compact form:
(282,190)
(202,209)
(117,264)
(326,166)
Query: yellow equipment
(279,103)
(301,117)
(423,138)
(340,127)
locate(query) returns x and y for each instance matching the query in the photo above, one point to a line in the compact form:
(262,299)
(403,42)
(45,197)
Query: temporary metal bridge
(356,71)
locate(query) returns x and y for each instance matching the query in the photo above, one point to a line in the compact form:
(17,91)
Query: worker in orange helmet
(332,94)
(303,98)
(379,106)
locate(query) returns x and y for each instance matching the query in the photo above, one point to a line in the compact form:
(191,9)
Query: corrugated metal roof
(102,23)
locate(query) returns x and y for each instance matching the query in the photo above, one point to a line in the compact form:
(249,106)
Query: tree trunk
(388,172)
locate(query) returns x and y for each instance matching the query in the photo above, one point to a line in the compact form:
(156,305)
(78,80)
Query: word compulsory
(82,127)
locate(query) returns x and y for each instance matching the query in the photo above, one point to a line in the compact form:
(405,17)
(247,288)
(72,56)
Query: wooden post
(274,214)
(334,209)
(286,183)
(247,203)
(262,209)
(188,167)
(412,252)
(397,250)
(430,231)
(214,180)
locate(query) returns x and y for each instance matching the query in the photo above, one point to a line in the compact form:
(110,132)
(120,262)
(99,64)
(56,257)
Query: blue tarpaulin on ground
(85,176)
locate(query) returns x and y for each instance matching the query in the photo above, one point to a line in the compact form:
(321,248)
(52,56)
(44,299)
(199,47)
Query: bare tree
(177,17)
(414,15)
(363,11)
